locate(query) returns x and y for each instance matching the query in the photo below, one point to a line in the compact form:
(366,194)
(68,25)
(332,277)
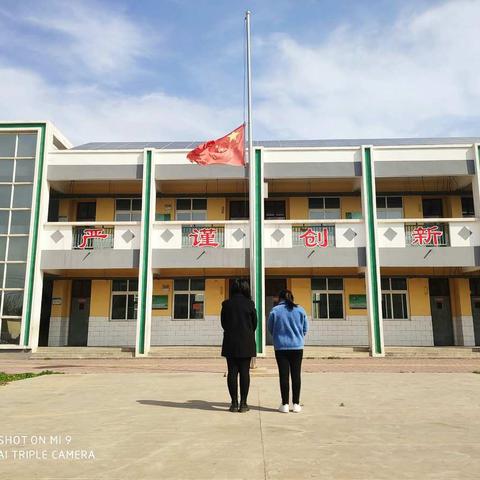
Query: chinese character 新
(315,239)
(204,237)
(426,236)
(89,233)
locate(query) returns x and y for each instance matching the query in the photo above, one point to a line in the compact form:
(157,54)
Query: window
(17,166)
(323,208)
(191,209)
(327,296)
(468,210)
(394,298)
(124,299)
(389,207)
(128,209)
(275,209)
(238,209)
(188,298)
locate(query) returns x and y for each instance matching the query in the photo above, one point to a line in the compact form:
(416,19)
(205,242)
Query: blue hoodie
(288,327)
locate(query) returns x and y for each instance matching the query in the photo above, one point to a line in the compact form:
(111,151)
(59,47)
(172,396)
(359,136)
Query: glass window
(3,251)
(128,210)
(6,170)
(191,209)
(5,194)
(15,275)
(4,221)
(324,208)
(389,207)
(394,298)
(20,221)
(12,303)
(124,299)
(22,196)
(238,209)
(10,331)
(2,268)
(17,249)
(24,170)
(189,298)
(468,209)
(7,145)
(327,296)
(27,145)
(275,209)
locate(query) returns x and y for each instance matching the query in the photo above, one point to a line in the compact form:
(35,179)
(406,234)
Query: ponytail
(287,297)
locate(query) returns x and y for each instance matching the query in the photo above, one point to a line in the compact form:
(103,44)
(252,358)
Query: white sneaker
(283,408)
(296,408)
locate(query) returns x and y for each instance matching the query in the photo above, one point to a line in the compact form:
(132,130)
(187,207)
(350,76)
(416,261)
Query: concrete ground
(176,426)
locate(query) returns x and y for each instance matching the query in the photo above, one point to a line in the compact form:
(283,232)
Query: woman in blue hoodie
(288,325)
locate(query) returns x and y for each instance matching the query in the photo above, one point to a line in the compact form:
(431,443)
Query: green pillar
(372,273)
(145,279)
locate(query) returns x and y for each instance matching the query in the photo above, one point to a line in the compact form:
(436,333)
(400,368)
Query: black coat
(239,322)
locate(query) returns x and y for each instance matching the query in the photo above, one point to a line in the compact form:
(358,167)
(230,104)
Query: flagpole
(256,289)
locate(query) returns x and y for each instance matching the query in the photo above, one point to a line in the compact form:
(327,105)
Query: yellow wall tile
(163,287)
(350,204)
(412,206)
(353,286)
(298,208)
(454,208)
(214,295)
(460,296)
(216,208)
(165,206)
(105,211)
(418,297)
(302,292)
(100,298)
(62,290)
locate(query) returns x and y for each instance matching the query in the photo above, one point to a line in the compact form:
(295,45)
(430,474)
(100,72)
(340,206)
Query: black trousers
(289,364)
(238,367)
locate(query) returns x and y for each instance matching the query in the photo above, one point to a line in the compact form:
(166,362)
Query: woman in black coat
(239,322)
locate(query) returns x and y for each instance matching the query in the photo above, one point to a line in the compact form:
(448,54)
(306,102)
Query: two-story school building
(129,244)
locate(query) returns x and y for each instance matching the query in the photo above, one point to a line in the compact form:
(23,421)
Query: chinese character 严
(92,233)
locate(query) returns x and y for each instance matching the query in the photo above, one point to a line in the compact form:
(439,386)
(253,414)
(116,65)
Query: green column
(145,269)
(258,252)
(372,274)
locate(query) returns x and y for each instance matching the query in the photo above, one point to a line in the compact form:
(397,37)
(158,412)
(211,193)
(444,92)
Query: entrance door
(441,312)
(79,313)
(476,319)
(272,289)
(86,211)
(432,208)
(45,311)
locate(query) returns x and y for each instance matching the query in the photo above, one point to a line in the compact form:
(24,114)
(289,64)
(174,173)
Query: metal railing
(315,232)
(423,234)
(203,236)
(92,237)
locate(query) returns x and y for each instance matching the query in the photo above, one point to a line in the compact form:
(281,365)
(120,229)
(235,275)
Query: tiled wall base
(103,332)
(58,332)
(463,331)
(414,332)
(166,331)
(350,332)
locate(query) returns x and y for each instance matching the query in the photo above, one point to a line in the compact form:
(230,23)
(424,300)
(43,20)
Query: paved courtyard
(175,426)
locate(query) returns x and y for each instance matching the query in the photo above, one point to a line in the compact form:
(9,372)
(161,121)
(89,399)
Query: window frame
(188,292)
(125,293)
(130,211)
(191,210)
(389,294)
(388,209)
(327,291)
(462,199)
(324,209)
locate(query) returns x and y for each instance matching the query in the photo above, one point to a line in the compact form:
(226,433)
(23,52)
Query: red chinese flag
(228,150)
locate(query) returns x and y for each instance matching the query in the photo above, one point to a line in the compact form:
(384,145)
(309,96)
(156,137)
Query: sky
(164,70)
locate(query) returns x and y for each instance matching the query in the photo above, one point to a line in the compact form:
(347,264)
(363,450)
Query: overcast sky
(130,70)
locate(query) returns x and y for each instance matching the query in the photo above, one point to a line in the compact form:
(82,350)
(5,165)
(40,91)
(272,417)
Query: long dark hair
(242,287)
(287,297)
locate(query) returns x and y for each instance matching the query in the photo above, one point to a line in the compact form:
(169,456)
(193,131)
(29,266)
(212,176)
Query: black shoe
(243,408)
(233,407)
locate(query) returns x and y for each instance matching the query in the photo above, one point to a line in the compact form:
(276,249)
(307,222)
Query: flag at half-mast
(228,150)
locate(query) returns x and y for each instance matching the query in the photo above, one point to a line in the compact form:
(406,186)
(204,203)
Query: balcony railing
(91,236)
(420,234)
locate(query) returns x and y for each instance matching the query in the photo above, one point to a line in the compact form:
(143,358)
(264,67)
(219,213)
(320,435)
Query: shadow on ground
(200,405)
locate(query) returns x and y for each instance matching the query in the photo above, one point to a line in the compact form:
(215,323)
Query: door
(45,311)
(79,313)
(86,211)
(432,208)
(272,289)
(476,319)
(441,312)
